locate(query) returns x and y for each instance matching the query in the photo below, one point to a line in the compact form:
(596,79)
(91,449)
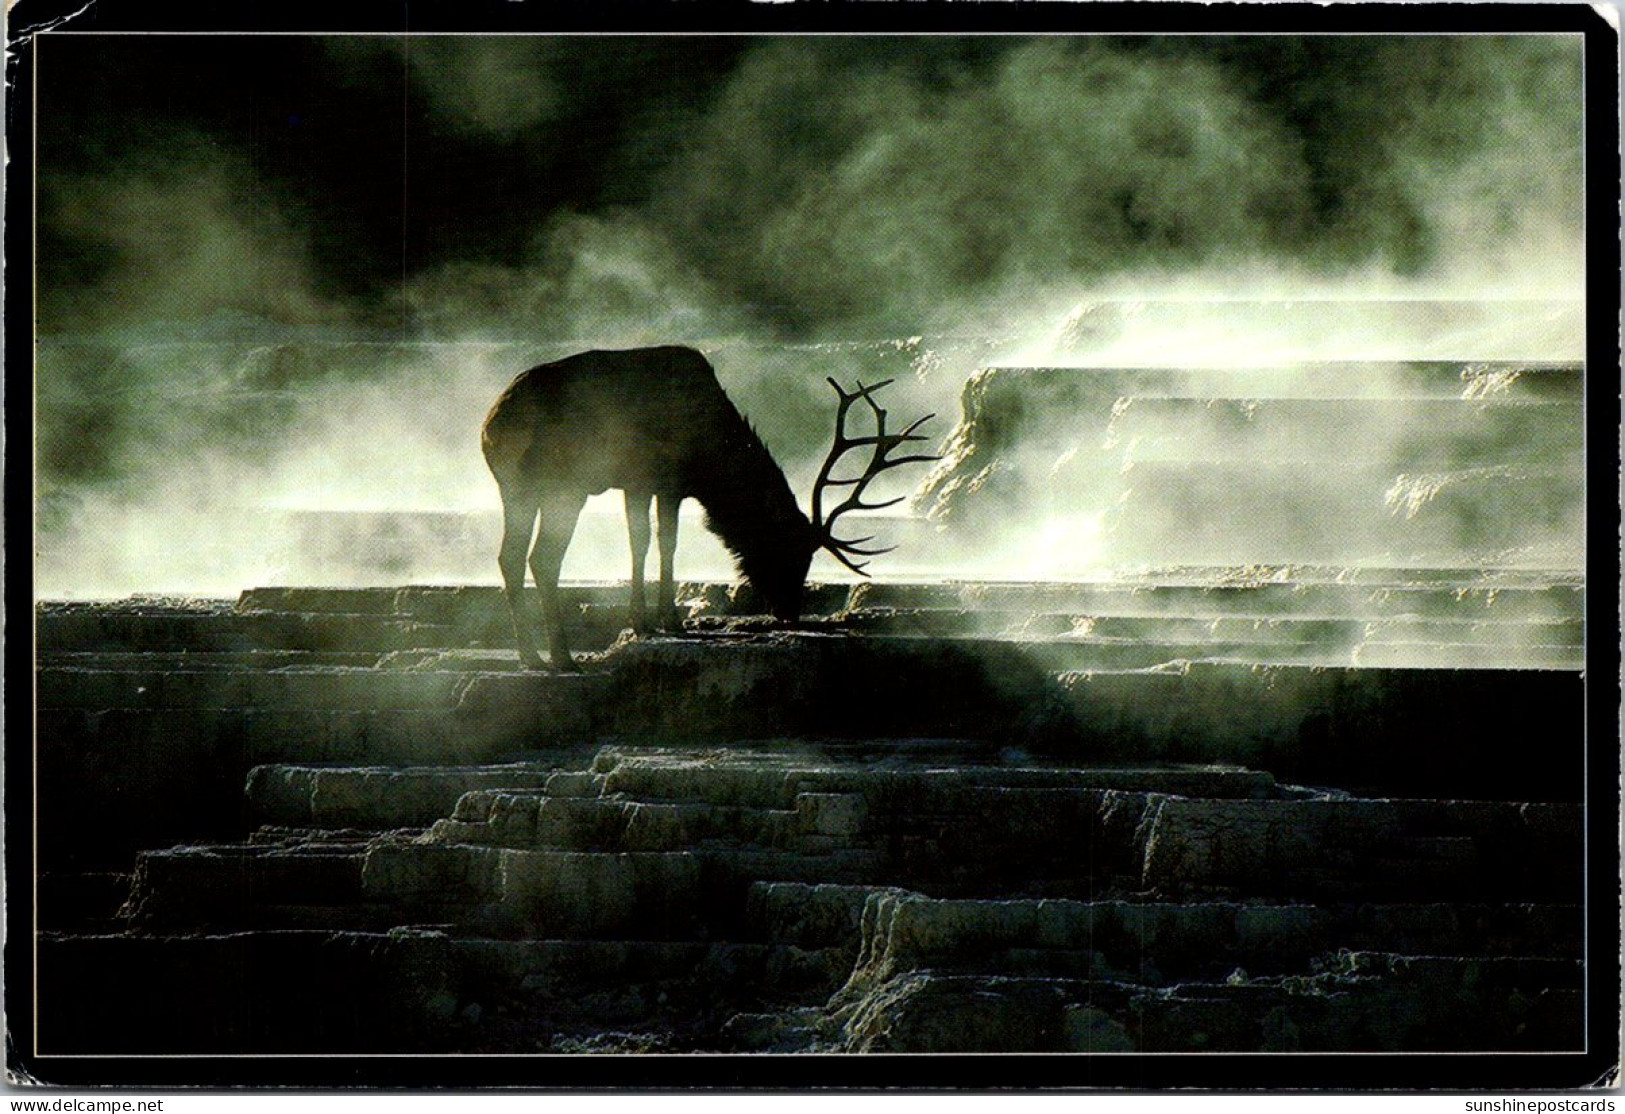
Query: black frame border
(1597,1068)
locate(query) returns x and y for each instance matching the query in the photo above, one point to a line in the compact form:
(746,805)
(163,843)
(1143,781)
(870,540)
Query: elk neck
(748,502)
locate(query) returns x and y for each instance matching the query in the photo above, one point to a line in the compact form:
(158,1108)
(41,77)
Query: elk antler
(883,443)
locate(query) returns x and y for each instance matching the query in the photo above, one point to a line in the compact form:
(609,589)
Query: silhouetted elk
(655,423)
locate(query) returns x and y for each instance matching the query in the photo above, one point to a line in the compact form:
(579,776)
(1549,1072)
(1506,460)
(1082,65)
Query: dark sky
(794,184)
(363,160)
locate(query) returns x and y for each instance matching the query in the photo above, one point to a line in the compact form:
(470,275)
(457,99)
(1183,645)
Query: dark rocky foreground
(1196,814)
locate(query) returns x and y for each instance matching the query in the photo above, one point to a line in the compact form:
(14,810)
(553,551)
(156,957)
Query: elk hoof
(530,661)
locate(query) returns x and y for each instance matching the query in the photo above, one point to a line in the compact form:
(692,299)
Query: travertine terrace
(1189,814)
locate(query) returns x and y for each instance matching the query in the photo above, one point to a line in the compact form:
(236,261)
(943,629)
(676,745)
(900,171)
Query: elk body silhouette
(655,423)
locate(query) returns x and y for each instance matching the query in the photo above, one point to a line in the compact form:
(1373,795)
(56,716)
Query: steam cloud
(301,279)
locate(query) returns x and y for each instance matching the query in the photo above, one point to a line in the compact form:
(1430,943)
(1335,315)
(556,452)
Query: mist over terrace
(257,364)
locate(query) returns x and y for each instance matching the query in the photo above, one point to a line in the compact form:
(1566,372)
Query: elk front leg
(666,524)
(637,531)
(518,520)
(557,524)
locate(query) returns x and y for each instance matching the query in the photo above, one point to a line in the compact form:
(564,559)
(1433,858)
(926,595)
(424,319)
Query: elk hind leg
(557,523)
(637,531)
(666,525)
(518,521)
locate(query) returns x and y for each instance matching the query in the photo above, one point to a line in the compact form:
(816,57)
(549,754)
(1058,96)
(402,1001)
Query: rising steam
(234,329)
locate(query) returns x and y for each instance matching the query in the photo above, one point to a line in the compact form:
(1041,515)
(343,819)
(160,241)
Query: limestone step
(822,684)
(1152,511)
(464,612)
(133,626)
(1089,654)
(765,779)
(1021,421)
(1503,574)
(646,798)
(1315,726)
(1346,632)
(1081,831)
(1513,655)
(1365,849)
(464,605)
(822,868)
(1375,731)
(286,688)
(1151,943)
(442,659)
(1118,644)
(731,873)
(316,636)
(113,636)
(549,893)
(826,837)
(1160,974)
(394,881)
(1275,507)
(196,661)
(1157,511)
(536,820)
(1377,380)
(454,606)
(393,736)
(376,797)
(1443,1004)
(1256,599)
(247,886)
(1275,592)
(114,629)
(1406,435)
(156,777)
(408,990)
(481,611)
(813,684)
(814,914)
(441,681)
(398,685)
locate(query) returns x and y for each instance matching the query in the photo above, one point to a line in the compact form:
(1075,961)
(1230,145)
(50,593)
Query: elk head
(881,445)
